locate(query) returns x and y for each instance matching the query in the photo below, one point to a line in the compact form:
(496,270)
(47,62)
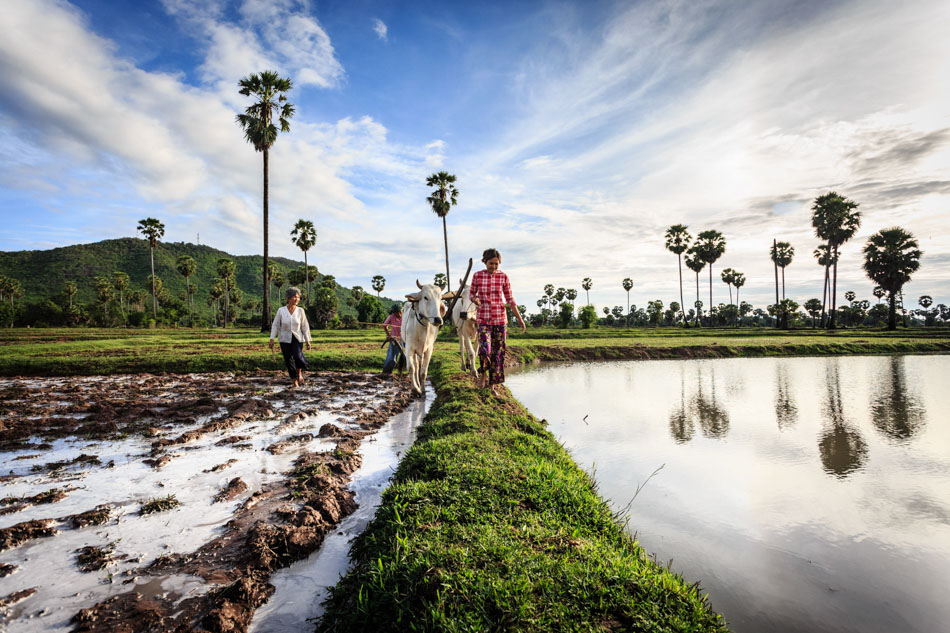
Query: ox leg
(462,351)
(424,368)
(411,370)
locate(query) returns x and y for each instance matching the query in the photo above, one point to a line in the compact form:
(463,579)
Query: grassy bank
(67,351)
(489,525)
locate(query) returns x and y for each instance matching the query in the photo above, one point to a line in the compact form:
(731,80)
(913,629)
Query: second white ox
(463,317)
(422,316)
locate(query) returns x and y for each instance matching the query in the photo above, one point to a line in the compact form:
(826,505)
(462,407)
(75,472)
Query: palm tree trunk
(834,292)
(892,311)
(699,316)
(306,272)
(227,302)
(265,312)
(710,290)
(679,260)
(151,257)
(783,283)
(445,236)
(824,292)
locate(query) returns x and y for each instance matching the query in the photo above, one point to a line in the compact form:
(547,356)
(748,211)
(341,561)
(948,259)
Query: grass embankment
(489,525)
(69,351)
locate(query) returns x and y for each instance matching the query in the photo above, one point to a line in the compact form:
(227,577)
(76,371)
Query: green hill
(43,274)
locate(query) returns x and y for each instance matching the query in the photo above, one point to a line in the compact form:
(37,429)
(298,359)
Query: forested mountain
(43,274)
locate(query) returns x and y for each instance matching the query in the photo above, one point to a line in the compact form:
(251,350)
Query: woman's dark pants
(293,357)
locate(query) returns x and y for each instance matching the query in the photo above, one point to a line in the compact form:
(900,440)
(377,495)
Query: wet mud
(283,459)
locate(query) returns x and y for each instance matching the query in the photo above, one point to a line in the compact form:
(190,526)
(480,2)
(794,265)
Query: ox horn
(418,284)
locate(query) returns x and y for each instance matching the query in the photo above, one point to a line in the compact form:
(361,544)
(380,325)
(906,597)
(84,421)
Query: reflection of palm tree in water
(713,419)
(841,447)
(681,421)
(786,413)
(896,413)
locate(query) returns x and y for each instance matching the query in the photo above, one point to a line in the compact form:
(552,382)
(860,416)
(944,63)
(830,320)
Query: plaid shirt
(394,321)
(493,291)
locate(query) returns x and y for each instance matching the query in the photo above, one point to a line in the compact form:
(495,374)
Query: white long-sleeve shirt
(288,325)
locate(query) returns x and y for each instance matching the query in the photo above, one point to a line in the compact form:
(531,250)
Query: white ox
(422,317)
(463,316)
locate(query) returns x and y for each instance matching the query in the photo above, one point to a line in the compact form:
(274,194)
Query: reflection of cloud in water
(842,448)
(895,410)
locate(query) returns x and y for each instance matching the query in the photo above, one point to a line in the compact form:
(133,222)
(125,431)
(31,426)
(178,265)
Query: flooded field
(806,495)
(168,502)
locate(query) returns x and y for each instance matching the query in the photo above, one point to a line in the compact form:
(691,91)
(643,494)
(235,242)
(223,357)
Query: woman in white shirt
(291,329)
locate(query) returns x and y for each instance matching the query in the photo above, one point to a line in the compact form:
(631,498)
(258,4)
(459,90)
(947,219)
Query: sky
(578,133)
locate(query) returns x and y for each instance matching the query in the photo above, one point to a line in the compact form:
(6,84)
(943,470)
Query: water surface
(805,494)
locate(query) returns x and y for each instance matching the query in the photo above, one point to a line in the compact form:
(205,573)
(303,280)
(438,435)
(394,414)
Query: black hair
(490,253)
(395,308)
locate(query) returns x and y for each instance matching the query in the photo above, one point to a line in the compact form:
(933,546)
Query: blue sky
(579,131)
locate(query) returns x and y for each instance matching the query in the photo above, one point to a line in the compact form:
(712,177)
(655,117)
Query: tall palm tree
(442,200)
(695,264)
(587,284)
(627,285)
(305,236)
(738,280)
(104,293)
(153,230)
(677,241)
(225,270)
(878,292)
(727,275)
(549,291)
(782,254)
(890,257)
(269,91)
(439,280)
(186,267)
(710,246)
(824,259)
(836,220)
(378,282)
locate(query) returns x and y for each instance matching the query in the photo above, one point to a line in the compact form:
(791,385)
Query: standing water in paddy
(806,494)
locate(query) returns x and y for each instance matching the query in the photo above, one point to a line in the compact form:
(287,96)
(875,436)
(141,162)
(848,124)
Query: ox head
(427,303)
(466,308)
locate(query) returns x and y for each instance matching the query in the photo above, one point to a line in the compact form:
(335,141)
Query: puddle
(302,587)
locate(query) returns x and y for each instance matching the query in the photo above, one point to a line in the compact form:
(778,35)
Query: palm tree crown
(710,246)
(153,230)
(836,220)
(304,235)
(677,241)
(442,200)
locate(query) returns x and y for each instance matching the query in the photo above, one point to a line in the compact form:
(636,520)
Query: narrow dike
(490,525)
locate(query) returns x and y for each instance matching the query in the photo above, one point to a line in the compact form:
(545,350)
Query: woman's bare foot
(295,384)
(300,375)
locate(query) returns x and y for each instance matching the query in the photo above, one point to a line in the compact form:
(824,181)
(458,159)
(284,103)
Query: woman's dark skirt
(293,357)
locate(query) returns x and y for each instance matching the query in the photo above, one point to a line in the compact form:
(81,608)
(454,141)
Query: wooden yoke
(458,294)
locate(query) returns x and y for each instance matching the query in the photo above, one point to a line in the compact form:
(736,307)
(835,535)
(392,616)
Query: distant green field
(81,351)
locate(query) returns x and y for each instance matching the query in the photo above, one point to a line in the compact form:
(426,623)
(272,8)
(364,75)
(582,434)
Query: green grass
(159,504)
(489,525)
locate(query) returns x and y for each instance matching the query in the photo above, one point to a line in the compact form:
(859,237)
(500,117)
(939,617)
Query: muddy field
(165,503)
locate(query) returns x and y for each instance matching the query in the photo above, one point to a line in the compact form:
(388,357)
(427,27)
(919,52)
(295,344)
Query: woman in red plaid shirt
(490,290)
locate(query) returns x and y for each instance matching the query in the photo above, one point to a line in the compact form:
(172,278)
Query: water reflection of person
(292,330)
(895,411)
(842,448)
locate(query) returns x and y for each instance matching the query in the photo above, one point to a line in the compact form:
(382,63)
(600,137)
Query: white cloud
(379,27)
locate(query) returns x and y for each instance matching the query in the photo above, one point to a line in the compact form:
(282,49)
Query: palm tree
(710,245)
(269,90)
(305,236)
(850,296)
(357,292)
(442,200)
(70,290)
(890,257)
(813,307)
(278,280)
(824,258)
(104,293)
(186,267)
(153,230)
(378,282)
(878,292)
(726,275)
(738,280)
(440,281)
(215,293)
(587,284)
(549,291)
(677,241)
(571,295)
(627,285)
(225,270)
(120,281)
(782,254)
(836,220)
(695,264)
